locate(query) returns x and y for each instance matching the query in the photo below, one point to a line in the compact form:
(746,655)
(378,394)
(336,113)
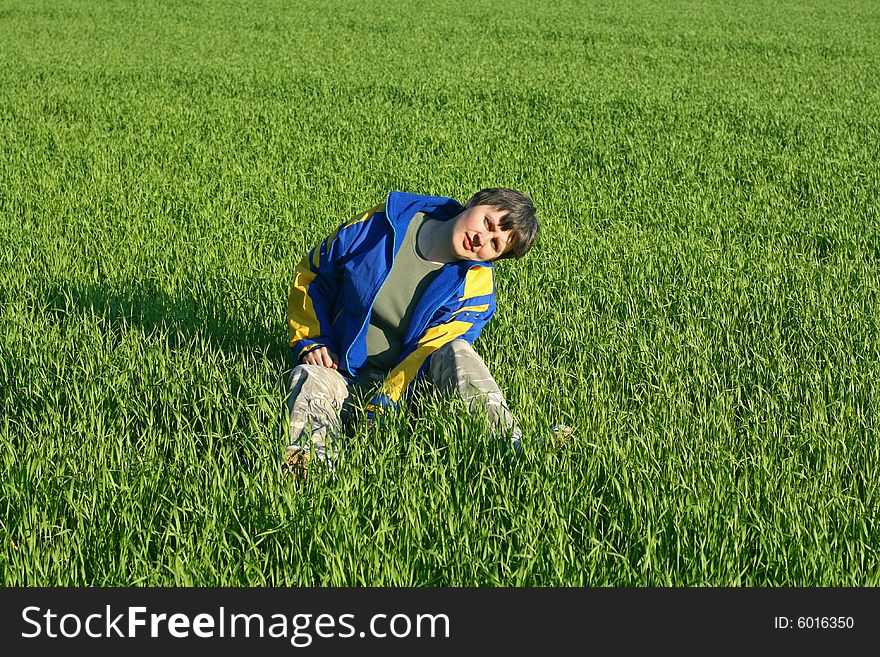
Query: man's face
(477,234)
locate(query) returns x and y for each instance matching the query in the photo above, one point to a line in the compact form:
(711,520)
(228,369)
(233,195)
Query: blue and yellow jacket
(332,294)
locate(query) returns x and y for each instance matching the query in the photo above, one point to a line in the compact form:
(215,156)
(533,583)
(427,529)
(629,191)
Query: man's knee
(453,350)
(455,362)
(316,377)
(307,369)
(443,360)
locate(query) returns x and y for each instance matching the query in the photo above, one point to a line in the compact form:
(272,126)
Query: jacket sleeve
(315,289)
(465,319)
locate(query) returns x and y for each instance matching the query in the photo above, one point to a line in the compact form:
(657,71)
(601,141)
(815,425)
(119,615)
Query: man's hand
(321,356)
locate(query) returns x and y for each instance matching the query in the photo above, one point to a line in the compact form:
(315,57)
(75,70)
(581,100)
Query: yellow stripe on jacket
(472,309)
(477,283)
(401,376)
(301,318)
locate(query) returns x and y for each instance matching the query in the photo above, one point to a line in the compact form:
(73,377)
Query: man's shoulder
(402,206)
(479,281)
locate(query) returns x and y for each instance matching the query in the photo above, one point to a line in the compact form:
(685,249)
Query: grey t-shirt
(410,275)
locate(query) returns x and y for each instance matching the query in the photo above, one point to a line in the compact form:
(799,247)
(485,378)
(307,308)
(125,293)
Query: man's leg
(456,369)
(315,399)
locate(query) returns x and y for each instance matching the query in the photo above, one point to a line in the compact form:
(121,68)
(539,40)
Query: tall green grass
(702,306)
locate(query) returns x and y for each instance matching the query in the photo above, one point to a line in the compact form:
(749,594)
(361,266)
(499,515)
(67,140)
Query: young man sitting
(398,293)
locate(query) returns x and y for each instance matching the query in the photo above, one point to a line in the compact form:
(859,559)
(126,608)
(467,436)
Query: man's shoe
(295,462)
(561,438)
(558,440)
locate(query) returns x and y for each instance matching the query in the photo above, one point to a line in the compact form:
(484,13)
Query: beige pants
(318,397)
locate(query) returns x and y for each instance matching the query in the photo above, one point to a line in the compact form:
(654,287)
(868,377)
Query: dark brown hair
(520,218)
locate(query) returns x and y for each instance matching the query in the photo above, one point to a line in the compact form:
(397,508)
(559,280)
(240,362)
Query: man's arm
(314,293)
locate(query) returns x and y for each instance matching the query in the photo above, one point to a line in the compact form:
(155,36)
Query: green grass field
(703,304)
